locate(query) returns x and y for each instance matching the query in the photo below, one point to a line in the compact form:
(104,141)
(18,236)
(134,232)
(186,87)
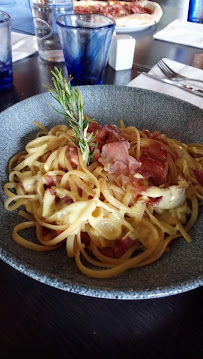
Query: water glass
(45,13)
(195,12)
(6,70)
(85,40)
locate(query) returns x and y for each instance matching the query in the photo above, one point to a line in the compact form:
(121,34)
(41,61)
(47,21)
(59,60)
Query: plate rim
(141,27)
(94,291)
(160,94)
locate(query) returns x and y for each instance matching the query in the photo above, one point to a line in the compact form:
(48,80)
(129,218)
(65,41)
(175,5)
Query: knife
(188,88)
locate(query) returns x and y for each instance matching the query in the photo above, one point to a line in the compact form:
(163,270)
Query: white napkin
(22,45)
(147,83)
(182,32)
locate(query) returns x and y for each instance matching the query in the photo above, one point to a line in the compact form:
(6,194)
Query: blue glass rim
(110,25)
(6,17)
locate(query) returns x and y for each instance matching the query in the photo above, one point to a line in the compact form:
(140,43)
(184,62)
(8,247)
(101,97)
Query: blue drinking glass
(6,70)
(195,12)
(85,40)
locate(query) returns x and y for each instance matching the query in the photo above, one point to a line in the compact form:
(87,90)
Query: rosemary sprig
(70,100)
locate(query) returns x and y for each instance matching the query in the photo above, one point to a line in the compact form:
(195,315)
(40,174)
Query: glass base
(195,19)
(6,75)
(52,55)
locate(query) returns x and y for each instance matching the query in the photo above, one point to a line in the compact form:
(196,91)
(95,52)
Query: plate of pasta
(120,218)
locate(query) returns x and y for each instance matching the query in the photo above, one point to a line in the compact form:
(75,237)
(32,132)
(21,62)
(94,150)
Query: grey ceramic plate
(177,271)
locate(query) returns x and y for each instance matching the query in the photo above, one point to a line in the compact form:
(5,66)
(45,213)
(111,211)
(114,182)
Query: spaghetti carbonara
(122,211)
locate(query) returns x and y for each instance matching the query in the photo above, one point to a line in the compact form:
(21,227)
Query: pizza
(125,14)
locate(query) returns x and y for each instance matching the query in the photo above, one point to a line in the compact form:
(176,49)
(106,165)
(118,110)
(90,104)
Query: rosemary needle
(70,100)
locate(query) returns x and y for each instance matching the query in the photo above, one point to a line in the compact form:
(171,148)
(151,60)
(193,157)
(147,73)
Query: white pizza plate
(124,30)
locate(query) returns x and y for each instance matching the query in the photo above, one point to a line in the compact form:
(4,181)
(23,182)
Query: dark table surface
(38,320)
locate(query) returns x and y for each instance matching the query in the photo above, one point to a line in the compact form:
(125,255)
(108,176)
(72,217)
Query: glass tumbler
(195,12)
(45,13)
(85,40)
(6,70)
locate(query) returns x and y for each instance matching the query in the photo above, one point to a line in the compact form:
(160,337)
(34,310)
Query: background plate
(177,271)
(124,30)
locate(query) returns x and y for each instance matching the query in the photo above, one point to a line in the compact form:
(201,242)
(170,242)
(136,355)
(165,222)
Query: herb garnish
(70,100)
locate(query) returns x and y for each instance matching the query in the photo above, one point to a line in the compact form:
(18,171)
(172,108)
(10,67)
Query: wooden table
(41,321)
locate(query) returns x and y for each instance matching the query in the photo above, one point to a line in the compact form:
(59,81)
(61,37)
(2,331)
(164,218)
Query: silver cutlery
(188,88)
(171,74)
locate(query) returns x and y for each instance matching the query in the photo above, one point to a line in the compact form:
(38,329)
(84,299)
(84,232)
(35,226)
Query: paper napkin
(147,83)
(182,32)
(22,45)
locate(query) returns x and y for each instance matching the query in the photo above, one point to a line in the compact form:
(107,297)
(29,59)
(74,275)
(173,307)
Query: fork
(168,72)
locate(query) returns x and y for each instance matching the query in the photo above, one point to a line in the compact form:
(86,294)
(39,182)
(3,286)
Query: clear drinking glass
(85,40)
(6,70)
(45,13)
